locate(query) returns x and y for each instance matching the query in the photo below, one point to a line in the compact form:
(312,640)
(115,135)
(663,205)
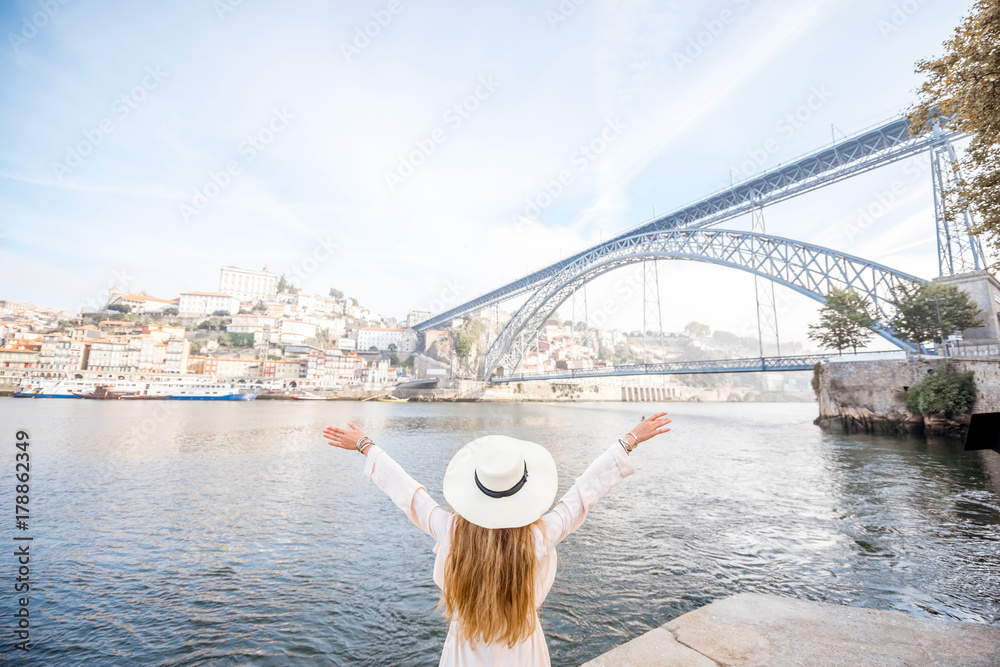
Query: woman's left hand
(344,438)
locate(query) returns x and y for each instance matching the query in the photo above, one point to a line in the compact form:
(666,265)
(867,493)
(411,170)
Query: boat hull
(29,395)
(227,397)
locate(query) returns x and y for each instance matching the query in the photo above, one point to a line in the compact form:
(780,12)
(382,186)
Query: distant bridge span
(802,362)
(806,268)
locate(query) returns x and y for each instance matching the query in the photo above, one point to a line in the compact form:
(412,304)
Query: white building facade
(404,340)
(205,303)
(248,286)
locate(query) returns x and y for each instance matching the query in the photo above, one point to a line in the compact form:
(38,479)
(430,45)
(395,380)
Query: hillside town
(258,329)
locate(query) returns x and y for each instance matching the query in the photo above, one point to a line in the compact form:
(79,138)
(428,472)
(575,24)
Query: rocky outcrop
(869,396)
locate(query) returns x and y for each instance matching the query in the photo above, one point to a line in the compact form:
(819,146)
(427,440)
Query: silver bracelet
(625,446)
(361,440)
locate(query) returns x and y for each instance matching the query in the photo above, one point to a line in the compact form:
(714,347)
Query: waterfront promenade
(772,631)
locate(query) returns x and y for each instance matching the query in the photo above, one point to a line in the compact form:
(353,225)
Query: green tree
(963,87)
(943,393)
(286,286)
(170,311)
(469,335)
(917,310)
(844,321)
(696,329)
(336,293)
(120,308)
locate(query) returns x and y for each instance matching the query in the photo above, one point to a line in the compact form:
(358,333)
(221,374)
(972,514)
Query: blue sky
(148,145)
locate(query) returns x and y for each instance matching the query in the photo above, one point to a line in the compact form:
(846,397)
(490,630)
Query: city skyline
(409,154)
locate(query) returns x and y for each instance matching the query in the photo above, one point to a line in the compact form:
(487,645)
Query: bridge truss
(808,269)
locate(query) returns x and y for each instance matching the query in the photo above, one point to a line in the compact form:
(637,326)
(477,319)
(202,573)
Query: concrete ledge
(767,630)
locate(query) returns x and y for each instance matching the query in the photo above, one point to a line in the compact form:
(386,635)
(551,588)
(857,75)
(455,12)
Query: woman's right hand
(651,426)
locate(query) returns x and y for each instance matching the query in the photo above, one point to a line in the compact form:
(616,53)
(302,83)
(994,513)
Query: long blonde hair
(489,583)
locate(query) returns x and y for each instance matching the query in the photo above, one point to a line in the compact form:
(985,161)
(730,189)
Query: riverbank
(869,395)
(767,630)
(544,391)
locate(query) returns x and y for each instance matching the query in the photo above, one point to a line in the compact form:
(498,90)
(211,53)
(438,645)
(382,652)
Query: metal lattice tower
(650,305)
(958,250)
(767,307)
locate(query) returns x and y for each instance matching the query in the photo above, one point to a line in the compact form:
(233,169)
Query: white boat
(167,387)
(309,396)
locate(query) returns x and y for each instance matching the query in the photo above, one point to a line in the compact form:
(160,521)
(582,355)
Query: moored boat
(309,396)
(170,387)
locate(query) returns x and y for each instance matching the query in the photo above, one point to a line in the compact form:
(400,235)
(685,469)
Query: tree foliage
(286,286)
(964,84)
(696,329)
(844,321)
(916,318)
(468,336)
(336,293)
(943,393)
(236,339)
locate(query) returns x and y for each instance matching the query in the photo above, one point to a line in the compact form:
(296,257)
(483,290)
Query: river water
(186,533)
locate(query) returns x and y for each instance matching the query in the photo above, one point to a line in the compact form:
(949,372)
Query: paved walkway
(750,629)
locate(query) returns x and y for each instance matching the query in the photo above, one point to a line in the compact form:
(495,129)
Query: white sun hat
(501,482)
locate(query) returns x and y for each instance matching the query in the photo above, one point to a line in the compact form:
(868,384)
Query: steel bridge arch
(809,269)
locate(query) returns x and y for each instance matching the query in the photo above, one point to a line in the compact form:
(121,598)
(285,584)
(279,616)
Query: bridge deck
(802,362)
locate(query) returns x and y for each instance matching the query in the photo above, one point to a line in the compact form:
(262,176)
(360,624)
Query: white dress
(601,476)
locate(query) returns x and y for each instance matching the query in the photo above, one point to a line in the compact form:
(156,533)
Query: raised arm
(404,491)
(612,466)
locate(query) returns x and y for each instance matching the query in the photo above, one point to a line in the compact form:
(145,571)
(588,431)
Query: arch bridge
(684,234)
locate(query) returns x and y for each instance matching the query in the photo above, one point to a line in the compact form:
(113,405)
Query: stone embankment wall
(582,390)
(870,396)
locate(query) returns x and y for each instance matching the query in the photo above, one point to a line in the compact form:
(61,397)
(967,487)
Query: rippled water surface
(231,534)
